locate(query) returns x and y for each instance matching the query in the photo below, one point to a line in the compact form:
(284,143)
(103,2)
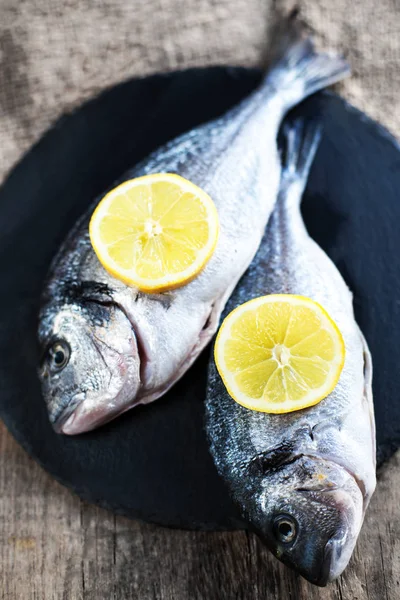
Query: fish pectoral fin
(367,363)
(211,324)
(367,395)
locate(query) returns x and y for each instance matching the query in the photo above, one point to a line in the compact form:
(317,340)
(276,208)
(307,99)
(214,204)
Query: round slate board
(153,463)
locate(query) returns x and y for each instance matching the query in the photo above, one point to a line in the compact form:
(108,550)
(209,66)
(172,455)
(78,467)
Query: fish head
(309,512)
(90,365)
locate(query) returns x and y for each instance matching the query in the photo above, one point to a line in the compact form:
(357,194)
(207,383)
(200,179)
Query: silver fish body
(132,347)
(303,480)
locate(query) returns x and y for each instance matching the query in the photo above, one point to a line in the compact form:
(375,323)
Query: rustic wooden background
(53,56)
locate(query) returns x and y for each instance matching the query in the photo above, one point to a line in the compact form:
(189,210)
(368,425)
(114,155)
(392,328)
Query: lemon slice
(155,232)
(279,353)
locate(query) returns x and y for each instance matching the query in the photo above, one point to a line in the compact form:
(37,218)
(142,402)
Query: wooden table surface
(53,56)
(54,546)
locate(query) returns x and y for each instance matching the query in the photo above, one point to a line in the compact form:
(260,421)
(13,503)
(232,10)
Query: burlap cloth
(56,54)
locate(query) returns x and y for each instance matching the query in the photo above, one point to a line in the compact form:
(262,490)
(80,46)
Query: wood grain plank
(53,547)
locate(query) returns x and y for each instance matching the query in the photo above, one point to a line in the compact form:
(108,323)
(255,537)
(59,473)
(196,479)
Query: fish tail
(301,140)
(299,70)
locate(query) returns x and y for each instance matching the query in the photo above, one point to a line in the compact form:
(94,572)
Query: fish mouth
(330,566)
(83,414)
(60,419)
(339,547)
(334,557)
(333,561)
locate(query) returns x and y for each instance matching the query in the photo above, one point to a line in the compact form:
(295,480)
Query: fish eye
(58,355)
(285,529)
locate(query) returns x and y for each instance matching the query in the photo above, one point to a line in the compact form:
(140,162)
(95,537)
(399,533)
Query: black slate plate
(153,462)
